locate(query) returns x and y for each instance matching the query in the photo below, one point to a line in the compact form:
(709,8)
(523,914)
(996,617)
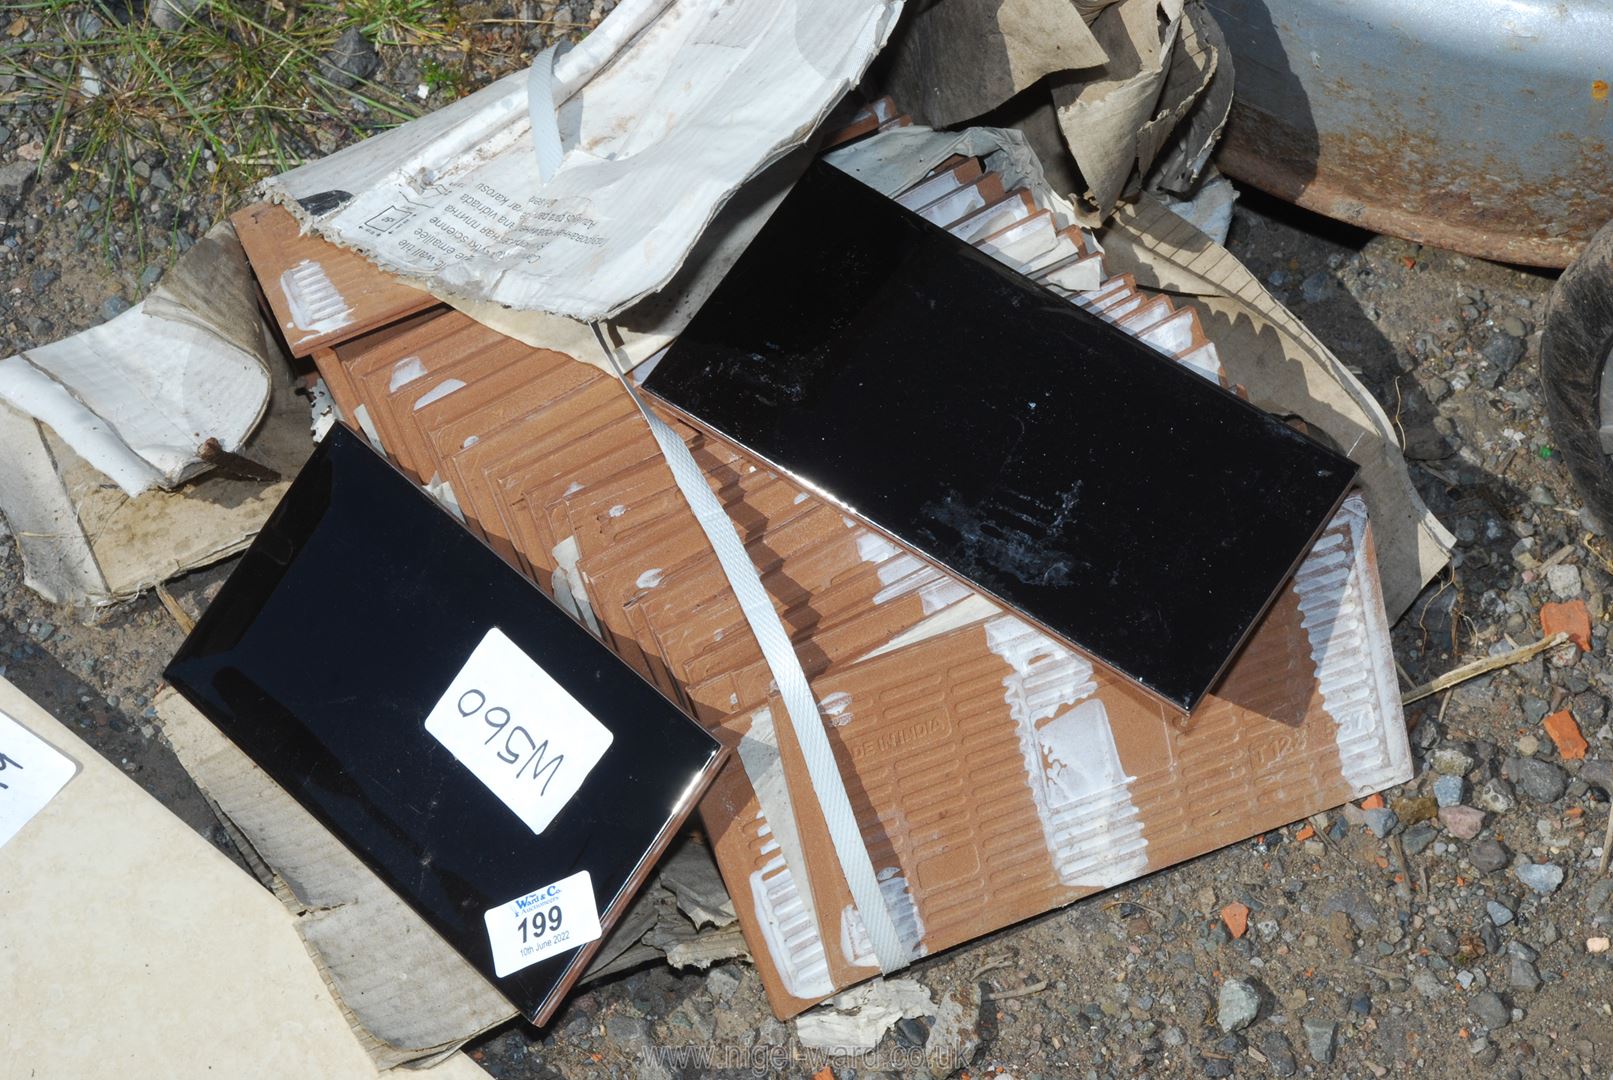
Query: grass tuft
(236,94)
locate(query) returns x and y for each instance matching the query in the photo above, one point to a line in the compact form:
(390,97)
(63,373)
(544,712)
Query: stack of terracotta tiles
(995,773)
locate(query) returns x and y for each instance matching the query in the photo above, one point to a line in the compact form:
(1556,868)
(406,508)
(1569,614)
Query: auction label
(31,773)
(546,921)
(506,720)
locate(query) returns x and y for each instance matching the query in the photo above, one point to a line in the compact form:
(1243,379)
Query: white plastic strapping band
(540,107)
(791,680)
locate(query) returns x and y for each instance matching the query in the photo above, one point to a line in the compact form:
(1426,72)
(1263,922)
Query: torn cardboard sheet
(376,954)
(1103,118)
(1201,76)
(138,395)
(194,970)
(669,104)
(1288,371)
(394,984)
(954,60)
(1144,93)
(85,541)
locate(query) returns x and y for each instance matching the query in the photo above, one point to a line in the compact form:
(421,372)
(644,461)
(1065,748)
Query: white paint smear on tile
(971,609)
(404,372)
(1207,362)
(311,297)
(1082,794)
(572,488)
(649,579)
(836,708)
(438,392)
(783,903)
(361,417)
(854,943)
(1342,613)
(874,548)
(800,498)
(617,511)
(567,585)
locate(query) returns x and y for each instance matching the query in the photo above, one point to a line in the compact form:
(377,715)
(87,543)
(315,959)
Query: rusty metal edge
(1274,176)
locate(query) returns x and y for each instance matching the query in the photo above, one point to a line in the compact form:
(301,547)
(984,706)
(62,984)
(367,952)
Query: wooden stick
(1484,666)
(1607,842)
(179,614)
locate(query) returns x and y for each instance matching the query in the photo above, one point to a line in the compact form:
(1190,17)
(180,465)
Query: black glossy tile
(346,622)
(1116,498)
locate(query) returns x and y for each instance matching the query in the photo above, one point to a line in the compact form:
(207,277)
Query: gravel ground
(1457,935)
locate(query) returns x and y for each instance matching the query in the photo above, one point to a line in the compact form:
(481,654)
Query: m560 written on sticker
(546,921)
(506,720)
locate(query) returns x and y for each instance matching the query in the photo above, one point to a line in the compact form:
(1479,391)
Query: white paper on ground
(84,541)
(138,395)
(664,111)
(31,773)
(853,1021)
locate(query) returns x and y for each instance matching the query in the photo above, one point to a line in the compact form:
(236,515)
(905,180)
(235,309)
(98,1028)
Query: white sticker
(31,773)
(553,919)
(506,720)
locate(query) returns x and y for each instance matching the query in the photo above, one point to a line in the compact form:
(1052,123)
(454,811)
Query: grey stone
(150,275)
(1490,1011)
(1565,581)
(1543,878)
(1540,780)
(1495,795)
(1522,950)
(1535,708)
(1521,975)
(1382,821)
(15,179)
(1599,898)
(173,14)
(1448,790)
(627,1032)
(1598,772)
(912,1030)
(1316,287)
(113,306)
(721,982)
(1512,326)
(1489,855)
(1279,1054)
(160,180)
(1442,941)
(352,58)
(43,278)
(1237,1005)
(1417,838)
(1504,352)
(1452,761)
(1321,1038)
(1427,984)
(1500,914)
